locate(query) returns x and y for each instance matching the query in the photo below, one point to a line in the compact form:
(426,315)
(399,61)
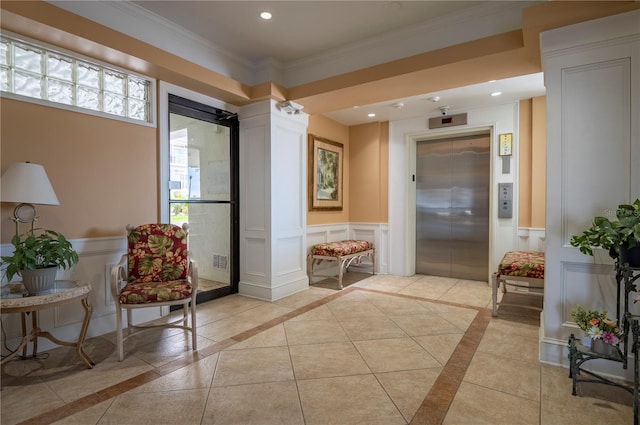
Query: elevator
(452,206)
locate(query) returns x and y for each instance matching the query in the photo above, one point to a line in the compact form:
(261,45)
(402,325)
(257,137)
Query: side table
(13,299)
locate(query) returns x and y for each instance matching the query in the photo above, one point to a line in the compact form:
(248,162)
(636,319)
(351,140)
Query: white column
(593,163)
(273,201)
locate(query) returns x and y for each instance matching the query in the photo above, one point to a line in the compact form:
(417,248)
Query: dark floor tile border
(432,411)
(436,404)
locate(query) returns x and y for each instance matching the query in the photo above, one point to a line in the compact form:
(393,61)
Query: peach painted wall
(103,171)
(329,129)
(369,166)
(539,162)
(532,163)
(524,163)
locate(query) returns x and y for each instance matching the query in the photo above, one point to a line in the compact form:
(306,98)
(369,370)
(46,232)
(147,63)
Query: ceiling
(298,29)
(306,29)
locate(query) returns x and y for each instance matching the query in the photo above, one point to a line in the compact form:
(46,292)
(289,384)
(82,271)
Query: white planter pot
(39,280)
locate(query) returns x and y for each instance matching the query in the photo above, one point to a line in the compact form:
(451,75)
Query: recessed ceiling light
(265,15)
(434,98)
(491,81)
(496,93)
(371,115)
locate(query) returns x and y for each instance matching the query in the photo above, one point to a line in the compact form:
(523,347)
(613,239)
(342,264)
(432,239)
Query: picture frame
(325,174)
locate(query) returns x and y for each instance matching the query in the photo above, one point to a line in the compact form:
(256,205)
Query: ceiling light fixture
(434,98)
(371,115)
(265,15)
(398,105)
(496,93)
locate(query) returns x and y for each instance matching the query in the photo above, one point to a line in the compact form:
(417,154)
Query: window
(36,72)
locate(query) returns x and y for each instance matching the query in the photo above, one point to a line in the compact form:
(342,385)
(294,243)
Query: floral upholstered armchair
(155,272)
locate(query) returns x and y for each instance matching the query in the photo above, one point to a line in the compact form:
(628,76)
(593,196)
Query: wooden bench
(345,253)
(521,269)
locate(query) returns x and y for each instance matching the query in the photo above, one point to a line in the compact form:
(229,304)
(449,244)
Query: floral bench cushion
(522,263)
(340,248)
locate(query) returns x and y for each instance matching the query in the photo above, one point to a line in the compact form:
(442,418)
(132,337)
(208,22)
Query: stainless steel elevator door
(452,207)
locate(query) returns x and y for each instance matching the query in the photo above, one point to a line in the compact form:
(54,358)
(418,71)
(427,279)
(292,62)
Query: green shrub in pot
(616,236)
(34,251)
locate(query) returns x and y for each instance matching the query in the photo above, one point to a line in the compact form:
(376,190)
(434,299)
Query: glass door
(203,190)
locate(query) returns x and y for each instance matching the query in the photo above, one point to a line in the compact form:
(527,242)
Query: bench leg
(340,270)
(373,262)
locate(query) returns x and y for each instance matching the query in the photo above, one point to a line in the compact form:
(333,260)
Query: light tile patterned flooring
(386,350)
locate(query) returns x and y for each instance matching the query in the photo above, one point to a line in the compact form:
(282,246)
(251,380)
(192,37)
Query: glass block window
(37,72)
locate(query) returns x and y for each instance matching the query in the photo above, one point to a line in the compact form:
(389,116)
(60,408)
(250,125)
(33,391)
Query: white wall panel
(254,177)
(288,184)
(288,258)
(255,257)
(593,148)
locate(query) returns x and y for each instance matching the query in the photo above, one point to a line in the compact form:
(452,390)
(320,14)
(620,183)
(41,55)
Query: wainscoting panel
(531,239)
(377,233)
(64,322)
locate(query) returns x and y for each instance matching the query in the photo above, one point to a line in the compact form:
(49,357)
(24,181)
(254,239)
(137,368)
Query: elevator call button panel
(505,199)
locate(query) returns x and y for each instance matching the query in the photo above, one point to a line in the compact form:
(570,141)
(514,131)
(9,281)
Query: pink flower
(610,338)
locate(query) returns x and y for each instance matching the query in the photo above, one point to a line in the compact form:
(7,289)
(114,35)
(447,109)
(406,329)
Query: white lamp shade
(27,183)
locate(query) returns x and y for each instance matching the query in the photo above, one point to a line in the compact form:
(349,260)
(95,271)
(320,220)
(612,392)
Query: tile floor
(385,350)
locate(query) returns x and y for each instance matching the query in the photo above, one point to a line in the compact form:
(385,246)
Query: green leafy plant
(611,234)
(37,251)
(597,325)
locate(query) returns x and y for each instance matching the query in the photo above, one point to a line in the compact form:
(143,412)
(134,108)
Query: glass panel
(4,79)
(137,109)
(4,52)
(27,58)
(59,67)
(88,75)
(200,160)
(27,84)
(199,194)
(60,91)
(114,82)
(138,88)
(209,240)
(88,98)
(113,104)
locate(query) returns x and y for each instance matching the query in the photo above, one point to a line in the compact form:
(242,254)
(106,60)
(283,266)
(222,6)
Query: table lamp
(26,184)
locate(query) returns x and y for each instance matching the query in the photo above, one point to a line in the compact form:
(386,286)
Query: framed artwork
(325,174)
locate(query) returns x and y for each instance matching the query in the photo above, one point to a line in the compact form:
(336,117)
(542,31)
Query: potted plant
(604,332)
(620,237)
(37,257)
